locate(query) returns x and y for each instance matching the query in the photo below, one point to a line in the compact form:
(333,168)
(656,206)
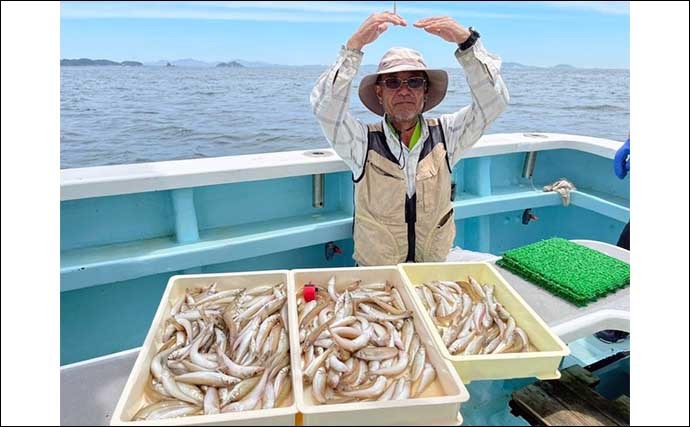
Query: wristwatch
(474,35)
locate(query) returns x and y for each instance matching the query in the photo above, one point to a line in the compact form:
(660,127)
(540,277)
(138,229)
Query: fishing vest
(390,227)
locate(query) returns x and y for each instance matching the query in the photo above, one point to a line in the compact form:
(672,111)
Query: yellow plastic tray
(132,397)
(440,404)
(542,364)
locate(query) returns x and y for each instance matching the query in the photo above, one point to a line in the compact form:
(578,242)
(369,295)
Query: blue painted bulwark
(484,244)
(115,247)
(95,266)
(186,228)
(478,176)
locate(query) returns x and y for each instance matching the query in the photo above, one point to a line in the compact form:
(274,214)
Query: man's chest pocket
(429,185)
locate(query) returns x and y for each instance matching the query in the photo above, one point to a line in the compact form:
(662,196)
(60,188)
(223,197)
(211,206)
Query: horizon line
(214,62)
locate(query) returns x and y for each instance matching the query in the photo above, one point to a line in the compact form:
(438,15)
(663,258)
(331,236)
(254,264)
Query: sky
(582,34)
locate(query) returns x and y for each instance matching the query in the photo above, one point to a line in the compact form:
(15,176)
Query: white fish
(211,402)
(207,378)
(418,363)
(331,289)
(375,390)
(318,387)
(388,394)
(402,389)
(428,376)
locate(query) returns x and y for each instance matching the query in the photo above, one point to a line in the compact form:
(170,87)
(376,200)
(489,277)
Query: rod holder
(317,189)
(528,166)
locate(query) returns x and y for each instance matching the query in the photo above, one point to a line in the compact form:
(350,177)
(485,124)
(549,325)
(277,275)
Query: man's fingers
(433,19)
(379,26)
(387,17)
(427,20)
(392,18)
(435,29)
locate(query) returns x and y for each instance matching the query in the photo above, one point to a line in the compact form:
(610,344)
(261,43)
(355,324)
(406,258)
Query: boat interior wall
(507,230)
(105,319)
(243,203)
(97,221)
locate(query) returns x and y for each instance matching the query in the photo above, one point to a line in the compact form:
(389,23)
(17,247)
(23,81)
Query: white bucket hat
(403,59)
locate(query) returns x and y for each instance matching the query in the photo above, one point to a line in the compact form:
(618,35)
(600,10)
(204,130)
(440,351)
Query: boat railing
(187,243)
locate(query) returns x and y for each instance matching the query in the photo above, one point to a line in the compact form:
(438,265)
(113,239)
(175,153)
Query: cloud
(198,12)
(293,11)
(604,7)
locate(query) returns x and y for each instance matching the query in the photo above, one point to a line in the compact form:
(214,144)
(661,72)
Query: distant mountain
(87,61)
(255,64)
(197,63)
(515,65)
(518,65)
(182,63)
(231,64)
(91,62)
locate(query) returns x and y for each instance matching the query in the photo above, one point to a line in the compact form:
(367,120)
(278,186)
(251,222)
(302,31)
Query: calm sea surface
(118,115)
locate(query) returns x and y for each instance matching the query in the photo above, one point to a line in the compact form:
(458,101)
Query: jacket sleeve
(489,99)
(330,99)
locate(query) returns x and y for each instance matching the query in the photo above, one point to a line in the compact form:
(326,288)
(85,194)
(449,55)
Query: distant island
(195,63)
(232,64)
(518,65)
(515,65)
(87,61)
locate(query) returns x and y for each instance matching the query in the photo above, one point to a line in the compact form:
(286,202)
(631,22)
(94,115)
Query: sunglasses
(412,82)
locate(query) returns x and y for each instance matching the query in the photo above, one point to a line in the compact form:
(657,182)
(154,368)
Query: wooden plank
(622,406)
(593,399)
(541,408)
(583,375)
(570,401)
(576,402)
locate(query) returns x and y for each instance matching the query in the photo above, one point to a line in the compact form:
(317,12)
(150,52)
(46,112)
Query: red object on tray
(309,292)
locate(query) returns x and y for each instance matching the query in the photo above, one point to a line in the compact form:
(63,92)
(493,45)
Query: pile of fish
(360,344)
(222,351)
(470,320)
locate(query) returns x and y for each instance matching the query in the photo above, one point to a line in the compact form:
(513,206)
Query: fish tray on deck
(133,395)
(542,363)
(438,405)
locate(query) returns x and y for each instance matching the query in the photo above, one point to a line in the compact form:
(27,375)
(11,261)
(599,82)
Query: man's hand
(444,27)
(372,28)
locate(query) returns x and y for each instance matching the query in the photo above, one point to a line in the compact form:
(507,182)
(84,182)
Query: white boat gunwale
(98,181)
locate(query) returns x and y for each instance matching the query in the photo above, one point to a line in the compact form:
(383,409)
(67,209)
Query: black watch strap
(474,35)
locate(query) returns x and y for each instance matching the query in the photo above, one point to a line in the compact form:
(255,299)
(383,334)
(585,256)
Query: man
(621,166)
(402,166)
